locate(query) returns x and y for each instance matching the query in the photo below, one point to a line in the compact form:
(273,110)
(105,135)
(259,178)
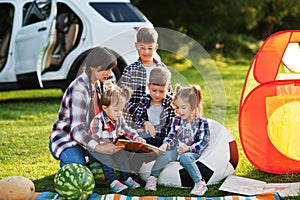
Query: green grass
(26,119)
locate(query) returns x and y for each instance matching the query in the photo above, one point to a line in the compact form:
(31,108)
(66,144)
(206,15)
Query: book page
(138,147)
(247,186)
(241,185)
(284,189)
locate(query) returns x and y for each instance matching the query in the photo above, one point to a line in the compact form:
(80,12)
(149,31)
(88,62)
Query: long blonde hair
(193,95)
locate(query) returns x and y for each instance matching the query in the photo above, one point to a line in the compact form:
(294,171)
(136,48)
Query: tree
(226,24)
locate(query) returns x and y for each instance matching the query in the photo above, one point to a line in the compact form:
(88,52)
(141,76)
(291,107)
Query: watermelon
(96,169)
(74,182)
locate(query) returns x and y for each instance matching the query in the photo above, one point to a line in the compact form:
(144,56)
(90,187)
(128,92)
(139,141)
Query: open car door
(35,41)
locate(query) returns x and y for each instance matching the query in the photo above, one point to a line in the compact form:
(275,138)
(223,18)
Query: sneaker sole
(150,189)
(132,186)
(120,190)
(136,187)
(199,194)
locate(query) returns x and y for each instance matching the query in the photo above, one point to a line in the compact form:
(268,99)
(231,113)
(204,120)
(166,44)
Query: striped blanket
(95,196)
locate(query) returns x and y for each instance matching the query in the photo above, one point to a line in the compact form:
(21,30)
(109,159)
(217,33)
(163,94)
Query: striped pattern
(268,196)
(94,196)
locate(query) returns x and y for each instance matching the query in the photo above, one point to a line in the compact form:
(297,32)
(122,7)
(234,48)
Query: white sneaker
(131,183)
(116,186)
(199,188)
(151,183)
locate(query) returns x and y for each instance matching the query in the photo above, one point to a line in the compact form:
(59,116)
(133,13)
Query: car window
(6,22)
(36,11)
(118,12)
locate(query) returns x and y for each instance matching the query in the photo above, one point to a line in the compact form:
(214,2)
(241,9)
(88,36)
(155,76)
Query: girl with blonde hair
(188,138)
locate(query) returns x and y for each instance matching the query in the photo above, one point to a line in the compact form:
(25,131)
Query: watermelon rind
(74,182)
(96,169)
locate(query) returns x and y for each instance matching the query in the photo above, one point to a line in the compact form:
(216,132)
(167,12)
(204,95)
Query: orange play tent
(269,113)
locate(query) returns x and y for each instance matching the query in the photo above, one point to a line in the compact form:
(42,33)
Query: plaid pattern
(179,132)
(135,77)
(166,116)
(102,129)
(71,127)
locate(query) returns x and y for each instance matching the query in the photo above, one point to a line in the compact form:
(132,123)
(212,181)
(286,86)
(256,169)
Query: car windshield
(118,12)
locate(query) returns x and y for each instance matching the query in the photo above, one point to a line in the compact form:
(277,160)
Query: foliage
(226,27)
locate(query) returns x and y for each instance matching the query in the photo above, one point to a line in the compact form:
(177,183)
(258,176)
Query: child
(107,125)
(155,112)
(136,75)
(188,138)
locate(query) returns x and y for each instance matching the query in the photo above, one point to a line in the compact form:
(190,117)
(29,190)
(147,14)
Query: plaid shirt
(102,129)
(135,77)
(166,116)
(71,127)
(179,132)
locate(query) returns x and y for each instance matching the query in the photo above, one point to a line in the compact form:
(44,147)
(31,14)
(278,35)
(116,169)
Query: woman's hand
(107,148)
(182,148)
(149,128)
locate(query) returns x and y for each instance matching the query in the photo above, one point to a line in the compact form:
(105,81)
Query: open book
(248,186)
(138,147)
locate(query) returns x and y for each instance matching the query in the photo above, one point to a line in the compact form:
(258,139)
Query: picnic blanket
(95,196)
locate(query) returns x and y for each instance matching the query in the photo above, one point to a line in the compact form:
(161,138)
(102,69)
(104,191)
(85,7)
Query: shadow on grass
(45,184)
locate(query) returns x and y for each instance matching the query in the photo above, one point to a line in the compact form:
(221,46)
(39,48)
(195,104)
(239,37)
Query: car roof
(109,1)
(127,1)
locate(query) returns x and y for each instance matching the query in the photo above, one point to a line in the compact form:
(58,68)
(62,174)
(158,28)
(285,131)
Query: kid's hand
(140,139)
(164,147)
(149,128)
(121,132)
(182,148)
(107,148)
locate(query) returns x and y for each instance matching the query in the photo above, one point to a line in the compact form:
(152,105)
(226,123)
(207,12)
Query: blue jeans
(120,160)
(156,141)
(187,160)
(162,161)
(74,154)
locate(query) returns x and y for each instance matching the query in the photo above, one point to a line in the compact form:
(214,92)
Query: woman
(69,138)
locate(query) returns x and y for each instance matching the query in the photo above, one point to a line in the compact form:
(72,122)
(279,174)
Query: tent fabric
(269,106)
(270,55)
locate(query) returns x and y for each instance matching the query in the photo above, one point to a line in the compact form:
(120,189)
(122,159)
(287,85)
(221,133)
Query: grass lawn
(26,119)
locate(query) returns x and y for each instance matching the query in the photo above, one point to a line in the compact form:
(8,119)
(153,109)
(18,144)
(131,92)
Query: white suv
(44,42)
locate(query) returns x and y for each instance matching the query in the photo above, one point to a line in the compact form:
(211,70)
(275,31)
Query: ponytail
(193,94)
(198,94)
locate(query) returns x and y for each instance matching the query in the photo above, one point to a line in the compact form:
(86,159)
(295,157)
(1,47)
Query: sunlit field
(26,119)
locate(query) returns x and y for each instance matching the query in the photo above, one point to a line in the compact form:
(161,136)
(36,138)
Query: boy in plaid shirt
(136,75)
(154,114)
